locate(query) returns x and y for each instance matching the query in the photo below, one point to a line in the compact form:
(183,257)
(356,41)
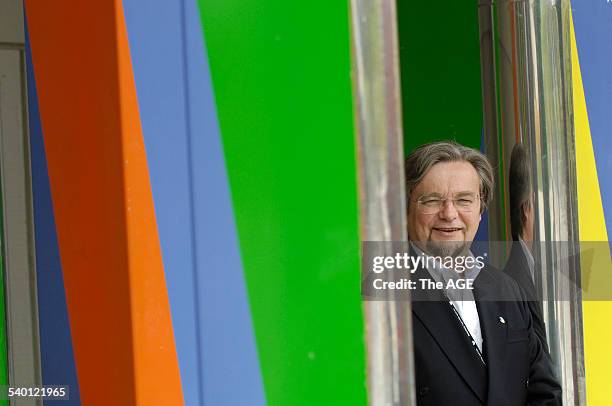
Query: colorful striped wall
(195,202)
(106,230)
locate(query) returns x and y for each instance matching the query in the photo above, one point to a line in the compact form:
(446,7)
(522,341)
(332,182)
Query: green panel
(440,72)
(281,76)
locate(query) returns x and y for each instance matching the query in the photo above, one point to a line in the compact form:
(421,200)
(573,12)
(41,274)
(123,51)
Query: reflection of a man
(484,352)
(521,264)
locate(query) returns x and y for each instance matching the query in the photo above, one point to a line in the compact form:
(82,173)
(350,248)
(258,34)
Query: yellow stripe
(592,226)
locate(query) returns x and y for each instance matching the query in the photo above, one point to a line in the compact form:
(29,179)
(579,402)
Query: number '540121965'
(38,392)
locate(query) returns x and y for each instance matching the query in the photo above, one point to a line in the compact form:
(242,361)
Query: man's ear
(525,208)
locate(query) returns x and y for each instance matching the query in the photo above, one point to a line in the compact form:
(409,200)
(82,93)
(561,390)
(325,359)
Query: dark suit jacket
(448,371)
(518,268)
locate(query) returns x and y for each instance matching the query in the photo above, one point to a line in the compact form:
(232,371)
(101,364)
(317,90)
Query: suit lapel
(435,313)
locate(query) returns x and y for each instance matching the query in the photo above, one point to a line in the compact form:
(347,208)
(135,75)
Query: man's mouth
(447,230)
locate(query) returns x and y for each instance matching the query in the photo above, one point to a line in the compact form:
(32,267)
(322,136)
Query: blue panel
(57,357)
(593,26)
(210,314)
(482,234)
(155,39)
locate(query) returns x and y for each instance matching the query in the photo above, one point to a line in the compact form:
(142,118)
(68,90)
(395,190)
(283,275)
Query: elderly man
(476,347)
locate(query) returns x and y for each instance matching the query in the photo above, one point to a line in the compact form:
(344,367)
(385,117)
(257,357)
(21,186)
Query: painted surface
(210,314)
(107,235)
(300,251)
(440,73)
(591,106)
(593,31)
(282,84)
(56,352)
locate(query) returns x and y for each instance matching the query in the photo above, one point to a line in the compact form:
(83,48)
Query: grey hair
(422,159)
(519,180)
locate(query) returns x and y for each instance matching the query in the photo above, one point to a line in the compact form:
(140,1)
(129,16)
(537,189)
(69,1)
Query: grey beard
(447,248)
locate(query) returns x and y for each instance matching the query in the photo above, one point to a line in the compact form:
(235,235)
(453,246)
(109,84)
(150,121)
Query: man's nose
(448,211)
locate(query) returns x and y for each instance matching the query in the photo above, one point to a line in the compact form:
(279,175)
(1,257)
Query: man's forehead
(453,193)
(456,177)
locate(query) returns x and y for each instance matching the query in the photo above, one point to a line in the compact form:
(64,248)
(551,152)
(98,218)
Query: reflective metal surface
(527,99)
(382,199)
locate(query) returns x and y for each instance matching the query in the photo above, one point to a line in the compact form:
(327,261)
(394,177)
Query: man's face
(450,230)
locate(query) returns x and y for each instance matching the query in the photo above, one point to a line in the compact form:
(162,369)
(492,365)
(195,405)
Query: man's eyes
(435,201)
(431,202)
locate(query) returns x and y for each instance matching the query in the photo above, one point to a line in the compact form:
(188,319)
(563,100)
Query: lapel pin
(501,320)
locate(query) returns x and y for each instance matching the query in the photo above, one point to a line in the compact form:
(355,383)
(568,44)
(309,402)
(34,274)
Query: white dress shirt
(461,299)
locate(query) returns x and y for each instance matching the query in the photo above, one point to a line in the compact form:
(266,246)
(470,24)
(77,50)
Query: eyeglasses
(464,203)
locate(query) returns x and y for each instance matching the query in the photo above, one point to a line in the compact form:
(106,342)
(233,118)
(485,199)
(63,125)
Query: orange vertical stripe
(111,260)
(157,376)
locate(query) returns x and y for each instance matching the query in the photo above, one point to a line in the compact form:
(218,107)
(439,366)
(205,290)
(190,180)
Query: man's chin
(447,248)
